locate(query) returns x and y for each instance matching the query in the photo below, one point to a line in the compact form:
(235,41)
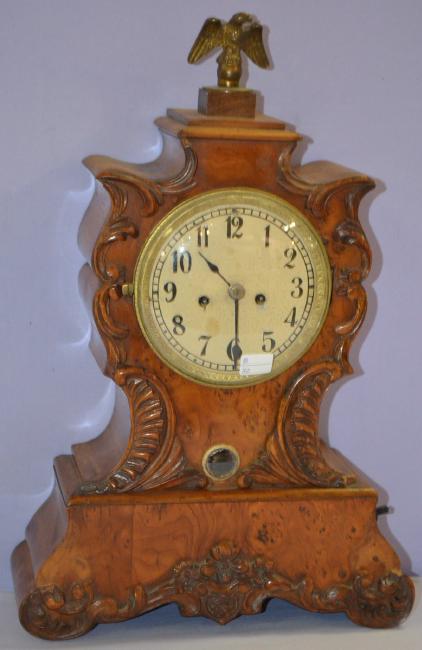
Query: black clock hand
(236,292)
(236,349)
(214,268)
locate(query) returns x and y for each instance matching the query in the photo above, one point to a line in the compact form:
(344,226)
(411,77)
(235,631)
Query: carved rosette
(225,584)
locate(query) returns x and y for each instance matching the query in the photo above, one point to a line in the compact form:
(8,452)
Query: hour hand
(236,354)
(214,268)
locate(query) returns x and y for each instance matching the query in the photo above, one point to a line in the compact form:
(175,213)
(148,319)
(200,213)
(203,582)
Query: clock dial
(229,275)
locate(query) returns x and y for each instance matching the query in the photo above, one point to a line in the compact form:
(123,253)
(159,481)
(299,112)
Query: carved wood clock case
(226,290)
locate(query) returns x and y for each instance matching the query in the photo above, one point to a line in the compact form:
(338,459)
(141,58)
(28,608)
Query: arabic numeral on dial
(171,290)
(204,347)
(268,343)
(182,261)
(234,225)
(289,254)
(291,318)
(297,292)
(267,236)
(202,233)
(178,328)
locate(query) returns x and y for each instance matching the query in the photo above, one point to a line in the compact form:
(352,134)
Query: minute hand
(214,268)
(236,349)
(236,292)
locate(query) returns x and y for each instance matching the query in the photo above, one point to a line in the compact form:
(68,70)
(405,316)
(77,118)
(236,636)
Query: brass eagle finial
(241,33)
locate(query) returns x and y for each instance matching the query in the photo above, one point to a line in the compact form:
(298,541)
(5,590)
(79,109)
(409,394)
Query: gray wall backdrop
(89,76)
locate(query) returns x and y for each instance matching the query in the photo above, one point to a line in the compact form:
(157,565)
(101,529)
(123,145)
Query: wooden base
(133,522)
(100,559)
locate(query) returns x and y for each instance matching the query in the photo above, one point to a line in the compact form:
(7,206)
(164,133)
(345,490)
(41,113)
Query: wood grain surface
(133,521)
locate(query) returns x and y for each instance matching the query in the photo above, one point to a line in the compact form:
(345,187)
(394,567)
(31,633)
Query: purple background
(89,77)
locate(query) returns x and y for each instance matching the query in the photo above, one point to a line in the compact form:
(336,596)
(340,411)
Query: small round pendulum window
(220,462)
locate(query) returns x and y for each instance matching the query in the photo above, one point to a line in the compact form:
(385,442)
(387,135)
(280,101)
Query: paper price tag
(255,364)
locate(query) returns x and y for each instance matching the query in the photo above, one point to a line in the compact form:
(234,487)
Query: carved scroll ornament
(120,227)
(225,584)
(293,454)
(154,455)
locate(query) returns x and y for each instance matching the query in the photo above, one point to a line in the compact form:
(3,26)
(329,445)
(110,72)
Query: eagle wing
(208,38)
(252,44)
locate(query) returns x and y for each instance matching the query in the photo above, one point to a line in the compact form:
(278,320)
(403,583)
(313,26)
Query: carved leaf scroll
(223,585)
(293,454)
(348,281)
(154,455)
(50,613)
(298,420)
(118,229)
(317,196)
(383,602)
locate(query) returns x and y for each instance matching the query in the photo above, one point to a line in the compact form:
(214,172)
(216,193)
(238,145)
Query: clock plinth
(217,554)
(134,521)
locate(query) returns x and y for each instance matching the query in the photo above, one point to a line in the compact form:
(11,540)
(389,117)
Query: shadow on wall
(54,393)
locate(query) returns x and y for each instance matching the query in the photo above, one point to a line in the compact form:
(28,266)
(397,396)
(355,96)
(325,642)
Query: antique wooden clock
(226,287)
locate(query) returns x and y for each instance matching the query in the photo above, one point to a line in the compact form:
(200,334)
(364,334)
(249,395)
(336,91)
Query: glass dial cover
(228,278)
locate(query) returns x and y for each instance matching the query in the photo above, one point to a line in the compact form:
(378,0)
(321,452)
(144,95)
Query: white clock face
(231,284)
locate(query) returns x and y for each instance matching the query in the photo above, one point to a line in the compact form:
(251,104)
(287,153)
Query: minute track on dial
(296,291)
(279,261)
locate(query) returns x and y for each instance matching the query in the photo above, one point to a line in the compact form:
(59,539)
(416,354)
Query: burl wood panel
(123,556)
(133,522)
(274,425)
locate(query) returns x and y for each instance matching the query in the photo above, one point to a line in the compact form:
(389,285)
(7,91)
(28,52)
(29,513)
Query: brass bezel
(184,212)
(216,448)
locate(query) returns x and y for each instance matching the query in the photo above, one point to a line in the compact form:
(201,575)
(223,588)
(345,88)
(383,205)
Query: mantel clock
(226,288)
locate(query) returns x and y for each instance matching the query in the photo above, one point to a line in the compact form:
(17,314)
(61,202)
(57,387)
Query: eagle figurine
(241,33)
